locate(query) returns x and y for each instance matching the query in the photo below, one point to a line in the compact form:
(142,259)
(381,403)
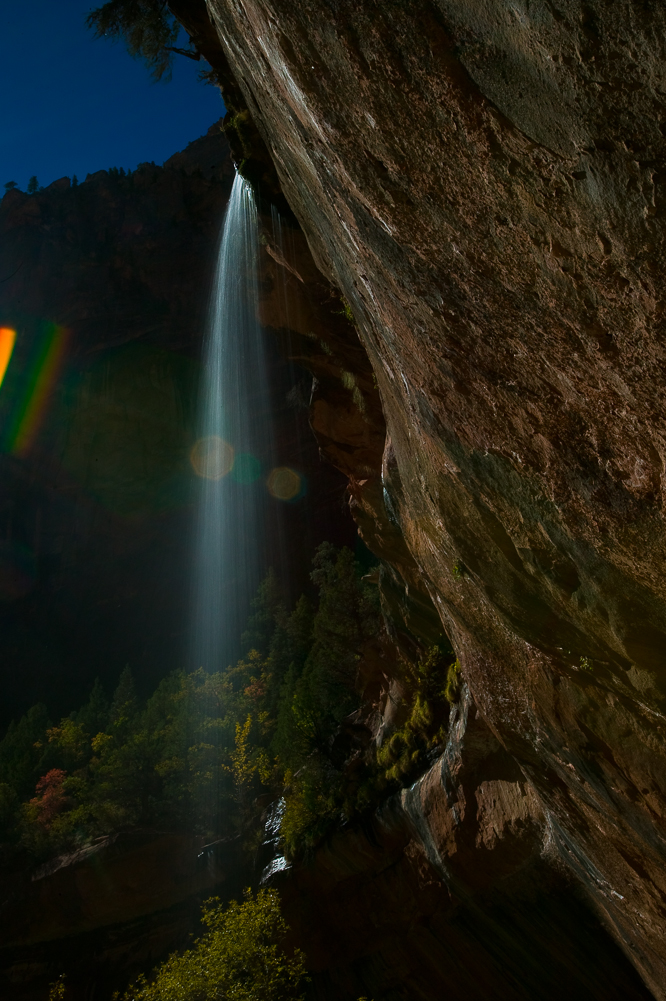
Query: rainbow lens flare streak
(7,341)
(44,375)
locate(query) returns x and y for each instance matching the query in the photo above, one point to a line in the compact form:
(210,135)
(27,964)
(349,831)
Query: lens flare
(283,483)
(247,468)
(212,458)
(7,341)
(41,384)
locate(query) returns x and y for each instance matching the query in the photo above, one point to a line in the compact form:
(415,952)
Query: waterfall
(234,444)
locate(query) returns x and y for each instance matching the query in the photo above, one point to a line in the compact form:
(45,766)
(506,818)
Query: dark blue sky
(73,104)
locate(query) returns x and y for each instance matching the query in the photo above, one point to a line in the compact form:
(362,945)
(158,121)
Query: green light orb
(247,468)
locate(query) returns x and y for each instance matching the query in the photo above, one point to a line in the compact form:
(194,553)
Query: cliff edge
(484,183)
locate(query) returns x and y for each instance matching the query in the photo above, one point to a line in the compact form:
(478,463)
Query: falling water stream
(234,445)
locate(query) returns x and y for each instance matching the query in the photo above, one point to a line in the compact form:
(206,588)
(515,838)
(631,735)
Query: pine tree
(269,609)
(22,749)
(93,717)
(124,705)
(33,185)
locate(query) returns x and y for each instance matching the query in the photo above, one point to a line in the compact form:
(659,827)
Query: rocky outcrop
(102,915)
(314,327)
(484,184)
(452,890)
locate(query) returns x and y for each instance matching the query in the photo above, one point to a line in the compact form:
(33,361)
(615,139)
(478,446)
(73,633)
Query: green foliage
(458,570)
(205,746)
(147,28)
(312,803)
(405,752)
(33,186)
(268,611)
(57,990)
(124,705)
(318,692)
(93,718)
(313,664)
(206,750)
(10,185)
(453,683)
(346,311)
(22,750)
(319,689)
(238,958)
(238,124)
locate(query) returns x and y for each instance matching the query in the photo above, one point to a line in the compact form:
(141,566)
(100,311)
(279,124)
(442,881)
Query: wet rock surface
(484,184)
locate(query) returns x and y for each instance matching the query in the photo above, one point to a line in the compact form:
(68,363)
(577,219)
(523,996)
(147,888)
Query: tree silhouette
(147,27)
(124,706)
(11,184)
(33,185)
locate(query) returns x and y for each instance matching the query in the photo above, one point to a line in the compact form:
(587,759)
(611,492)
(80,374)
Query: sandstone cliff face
(453,890)
(485,184)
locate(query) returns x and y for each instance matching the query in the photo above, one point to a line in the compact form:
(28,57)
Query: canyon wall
(484,183)
(453,889)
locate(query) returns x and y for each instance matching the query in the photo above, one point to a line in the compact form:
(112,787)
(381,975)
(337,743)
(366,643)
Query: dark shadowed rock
(104,914)
(451,891)
(484,183)
(62,184)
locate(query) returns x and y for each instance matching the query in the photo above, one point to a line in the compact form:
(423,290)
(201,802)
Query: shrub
(458,570)
(57,990)
(405,751)
(50,799)
(312,804)
(453,683)
(239,958)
